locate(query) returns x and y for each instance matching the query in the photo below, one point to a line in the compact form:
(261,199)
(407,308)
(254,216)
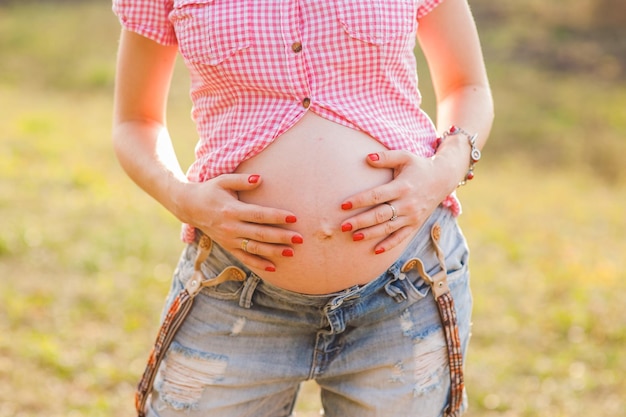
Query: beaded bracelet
(474,154)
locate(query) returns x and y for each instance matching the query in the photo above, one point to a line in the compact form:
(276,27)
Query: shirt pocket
(377,21)
(211,31)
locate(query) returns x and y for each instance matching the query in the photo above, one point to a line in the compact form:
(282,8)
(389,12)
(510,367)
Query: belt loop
(245,300)
(395,292)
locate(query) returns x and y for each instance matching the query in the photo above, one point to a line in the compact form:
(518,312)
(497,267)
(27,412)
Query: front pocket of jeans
(377,21)
(211,31)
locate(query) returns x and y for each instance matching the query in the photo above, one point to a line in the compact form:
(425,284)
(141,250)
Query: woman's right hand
(145,151)
(214,208)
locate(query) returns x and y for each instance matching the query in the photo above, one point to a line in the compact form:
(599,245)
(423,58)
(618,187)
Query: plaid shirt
(258,66)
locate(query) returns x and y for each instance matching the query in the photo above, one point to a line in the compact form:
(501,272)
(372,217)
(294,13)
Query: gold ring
(244,245)
(394,212)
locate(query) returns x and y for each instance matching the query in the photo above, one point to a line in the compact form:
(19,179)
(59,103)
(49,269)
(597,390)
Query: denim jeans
(375,350)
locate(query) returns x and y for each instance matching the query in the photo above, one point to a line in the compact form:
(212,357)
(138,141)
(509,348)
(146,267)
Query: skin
(144,148)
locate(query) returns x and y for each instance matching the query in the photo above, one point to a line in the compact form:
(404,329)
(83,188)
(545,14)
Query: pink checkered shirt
(258,66)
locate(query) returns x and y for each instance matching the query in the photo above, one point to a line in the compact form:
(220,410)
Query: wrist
(178,191)
(448,167)
(466,147)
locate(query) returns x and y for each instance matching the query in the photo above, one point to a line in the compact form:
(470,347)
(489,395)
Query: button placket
(295,58)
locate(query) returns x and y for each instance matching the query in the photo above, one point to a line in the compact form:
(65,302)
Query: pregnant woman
(319,215)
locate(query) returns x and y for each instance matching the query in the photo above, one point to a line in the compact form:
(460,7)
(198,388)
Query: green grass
(86,258)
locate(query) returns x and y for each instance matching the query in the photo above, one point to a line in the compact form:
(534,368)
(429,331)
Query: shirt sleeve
(426,7)
(149,18)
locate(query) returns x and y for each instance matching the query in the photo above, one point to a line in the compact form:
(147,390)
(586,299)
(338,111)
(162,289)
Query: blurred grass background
(86,258)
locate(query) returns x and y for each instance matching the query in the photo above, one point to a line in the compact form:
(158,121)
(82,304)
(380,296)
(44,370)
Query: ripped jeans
(375,350)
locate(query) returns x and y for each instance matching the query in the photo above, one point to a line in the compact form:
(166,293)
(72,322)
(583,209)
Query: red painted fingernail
(346,227)
(297,239)
(270,269)
(288,252)
(373,157)
(291,219)
(379,251)
(253,179)
(358,236)
(346,206)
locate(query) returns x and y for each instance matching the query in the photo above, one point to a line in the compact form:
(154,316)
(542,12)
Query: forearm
(449,39)
(470,108)
(145,152)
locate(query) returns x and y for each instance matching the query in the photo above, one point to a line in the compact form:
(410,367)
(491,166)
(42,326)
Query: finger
(253,261)
(377,215)
(258,255)
(378,231)
(266,250)
(268,234)
(395,160)
(253,213)
(239,182)
(393,240)
(372,197)
(389,159)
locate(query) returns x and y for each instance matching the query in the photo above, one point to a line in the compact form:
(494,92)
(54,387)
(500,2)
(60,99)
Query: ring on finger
(244,245)
(394,212)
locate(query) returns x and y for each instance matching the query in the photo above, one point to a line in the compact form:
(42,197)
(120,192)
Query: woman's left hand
(417,188)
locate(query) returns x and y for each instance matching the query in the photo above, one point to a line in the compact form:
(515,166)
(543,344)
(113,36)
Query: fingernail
(270,269)
(358,236)
(346,227)
(346,206)
(291,219)
(379,251)
(288,252)
(253,179)
(373,157)
(297,239)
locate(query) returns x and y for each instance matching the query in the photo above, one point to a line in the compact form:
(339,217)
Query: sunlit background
(86,258)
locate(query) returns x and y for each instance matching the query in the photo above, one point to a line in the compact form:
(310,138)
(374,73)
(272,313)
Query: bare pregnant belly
(310,170)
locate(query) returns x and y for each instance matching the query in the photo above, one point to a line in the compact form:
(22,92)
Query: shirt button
(306,102)
(296,47)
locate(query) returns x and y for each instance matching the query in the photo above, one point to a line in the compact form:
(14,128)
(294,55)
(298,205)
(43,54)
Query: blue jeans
(375,350)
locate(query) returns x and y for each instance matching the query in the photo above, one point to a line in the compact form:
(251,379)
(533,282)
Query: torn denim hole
(238,326)
(430,354)
(397,373)
(185,373)
(431,362)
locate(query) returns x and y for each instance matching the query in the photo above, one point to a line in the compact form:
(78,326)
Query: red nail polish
(253,179)
(297,239)
(358,236)
(373,157)
(346,206)
(270,269)
(288,252)
(291,219)
(379,251)
(346,227)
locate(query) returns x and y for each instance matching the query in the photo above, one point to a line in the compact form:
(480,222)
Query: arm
(449,39)
(140,137)
(450,43)
(144,148)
